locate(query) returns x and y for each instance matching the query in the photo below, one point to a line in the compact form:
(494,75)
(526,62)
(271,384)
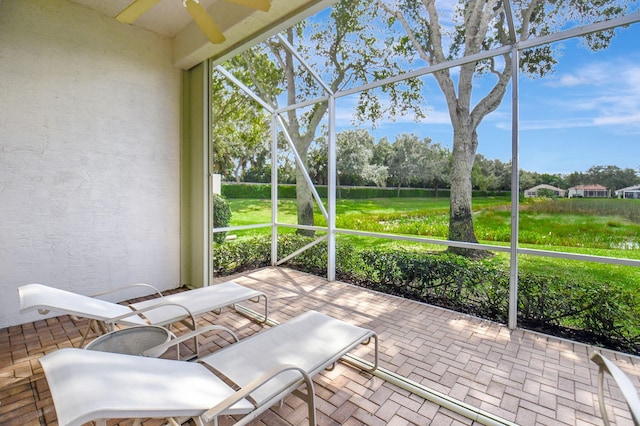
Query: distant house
(629,192)
(533,192)
(589,191)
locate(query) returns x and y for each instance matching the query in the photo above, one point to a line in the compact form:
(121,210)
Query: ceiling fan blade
(263,5)
(135,10)
(204,21)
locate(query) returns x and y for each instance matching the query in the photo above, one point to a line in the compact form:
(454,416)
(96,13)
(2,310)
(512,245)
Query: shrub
(546,193)
(593,313)
(582,311)
(255,252)
(445,280)
(258,192)
(221,216)
(241,255)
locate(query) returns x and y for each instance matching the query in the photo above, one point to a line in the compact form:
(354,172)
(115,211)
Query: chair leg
(311,405)
(237,307)
(310,398)
(266,309)
(603,408)
(193,327)
(198,421)
(86,333)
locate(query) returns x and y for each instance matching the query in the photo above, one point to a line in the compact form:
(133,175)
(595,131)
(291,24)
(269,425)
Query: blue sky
(586,113)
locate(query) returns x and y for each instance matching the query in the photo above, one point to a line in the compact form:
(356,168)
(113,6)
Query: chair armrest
(184,337)
(629,391)
(126,287)
(114,320)
(214,412)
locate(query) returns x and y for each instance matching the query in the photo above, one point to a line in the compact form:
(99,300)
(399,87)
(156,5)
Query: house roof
(594,187)
(628,188)
(545,186)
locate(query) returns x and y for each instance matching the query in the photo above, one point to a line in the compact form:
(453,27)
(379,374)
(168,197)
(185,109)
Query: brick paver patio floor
(520,377)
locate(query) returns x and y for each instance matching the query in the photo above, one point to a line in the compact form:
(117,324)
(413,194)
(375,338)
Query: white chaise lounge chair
(163,310)
(629,392)
(245,378)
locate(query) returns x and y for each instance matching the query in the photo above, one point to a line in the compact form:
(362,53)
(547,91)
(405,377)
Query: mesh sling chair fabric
(163,310)
(245,378)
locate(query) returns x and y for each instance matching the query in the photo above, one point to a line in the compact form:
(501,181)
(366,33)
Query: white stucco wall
(89,153)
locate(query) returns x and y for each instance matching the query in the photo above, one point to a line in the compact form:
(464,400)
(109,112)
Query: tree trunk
(236,172)
(461,214)
(304,199)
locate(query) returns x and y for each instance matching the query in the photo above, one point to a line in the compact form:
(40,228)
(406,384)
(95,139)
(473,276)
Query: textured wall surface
(89,153)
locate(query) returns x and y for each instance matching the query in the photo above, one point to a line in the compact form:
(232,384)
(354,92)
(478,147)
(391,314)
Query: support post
(515,193)
(331,191)
(196,216)
(274,190)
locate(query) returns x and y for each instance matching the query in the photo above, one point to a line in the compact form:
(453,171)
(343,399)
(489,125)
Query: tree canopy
(348,49)
(434,35)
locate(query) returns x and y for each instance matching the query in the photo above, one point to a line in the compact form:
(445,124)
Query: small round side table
(132,340)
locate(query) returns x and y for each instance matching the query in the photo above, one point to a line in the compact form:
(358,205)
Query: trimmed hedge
(351,193)
(263,191)
(592,313)
(221,217)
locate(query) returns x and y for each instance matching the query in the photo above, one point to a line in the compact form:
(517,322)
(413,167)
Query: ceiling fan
(195,9)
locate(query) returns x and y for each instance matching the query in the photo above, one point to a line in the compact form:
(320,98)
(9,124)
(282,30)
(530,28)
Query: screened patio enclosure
(323,87)
(105,179)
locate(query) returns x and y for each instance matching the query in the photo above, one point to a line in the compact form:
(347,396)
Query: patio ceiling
(242,26)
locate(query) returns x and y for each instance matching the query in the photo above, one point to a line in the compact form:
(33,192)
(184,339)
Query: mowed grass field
(609,228)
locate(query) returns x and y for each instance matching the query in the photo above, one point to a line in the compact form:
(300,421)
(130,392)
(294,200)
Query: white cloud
(592,75)
(631,119)
(603,93)
(631,75)
(437,117)
(548,124)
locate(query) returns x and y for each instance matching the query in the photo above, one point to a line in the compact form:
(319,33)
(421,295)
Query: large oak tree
(473,27)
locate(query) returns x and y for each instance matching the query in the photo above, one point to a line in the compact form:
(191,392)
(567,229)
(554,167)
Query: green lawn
(564,228)
(556,227)
(251,211)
